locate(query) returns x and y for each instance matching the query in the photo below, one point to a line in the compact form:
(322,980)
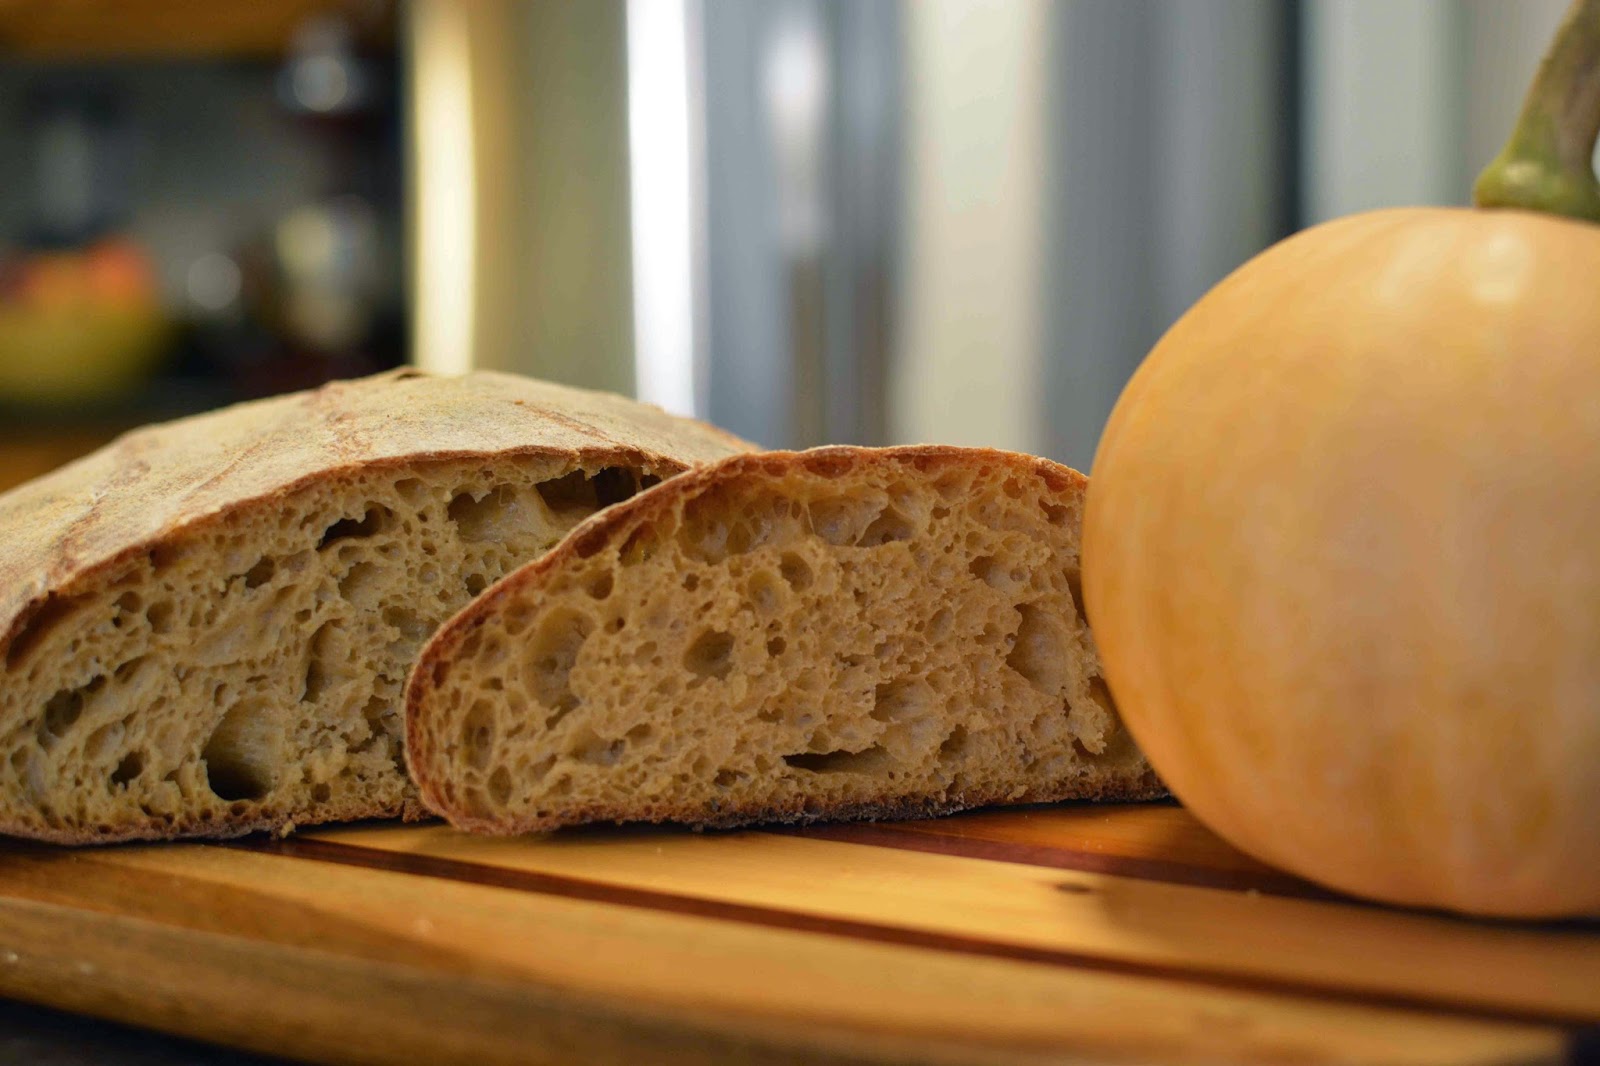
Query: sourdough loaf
(205,627)
(839,633)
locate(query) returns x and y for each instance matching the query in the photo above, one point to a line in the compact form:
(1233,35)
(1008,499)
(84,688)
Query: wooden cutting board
(1076,934)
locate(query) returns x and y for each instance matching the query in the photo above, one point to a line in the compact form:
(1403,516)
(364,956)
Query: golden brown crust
(63,528)
(65,531)
(613,527)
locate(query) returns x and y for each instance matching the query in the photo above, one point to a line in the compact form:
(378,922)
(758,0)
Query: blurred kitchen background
(866,221)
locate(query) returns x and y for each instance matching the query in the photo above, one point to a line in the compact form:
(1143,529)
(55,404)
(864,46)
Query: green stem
(1548,164)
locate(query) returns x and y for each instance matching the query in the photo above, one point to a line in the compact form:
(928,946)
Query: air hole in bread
(796,571)
(868,761)
(500,786)
(985,569)
(320,674)
(1100,696)
(1097,730)
(411,490)
(1085,750)
(710,654)
(887,528)
(777,646)
(953,485)
(476,583)
(477,734)
(740,538)
(552,652)
(897,701)
(708,534)
(360,580)
(954,745)
(104,742)
(260,573)
(486,517)
(585,544)
(640,546)
(517,621)
(125,672)
(63,710)
(613,485)
(374,521)
(570,492)
(131,766)
(412,626)
(828,466)
(241,757)
(762,591)
(494,654)
(841,520)
(375,715)
(24,765)
(1075,589)
(589,747)
(599,586)
(53,614)
(1039,653)
(159,616)
(165,556)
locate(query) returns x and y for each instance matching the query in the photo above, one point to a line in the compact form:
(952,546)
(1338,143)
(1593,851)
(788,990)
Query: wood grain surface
(1068,934)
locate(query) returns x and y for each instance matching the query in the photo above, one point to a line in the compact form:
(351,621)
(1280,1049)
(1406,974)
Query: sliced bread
(205,627)
(780,637)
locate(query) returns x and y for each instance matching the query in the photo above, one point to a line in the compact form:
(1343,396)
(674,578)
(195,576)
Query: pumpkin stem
(1547,165)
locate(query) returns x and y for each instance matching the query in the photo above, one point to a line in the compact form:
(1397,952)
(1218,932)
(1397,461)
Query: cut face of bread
(845,632)
(205,628)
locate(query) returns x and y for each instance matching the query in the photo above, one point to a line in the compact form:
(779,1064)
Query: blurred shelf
(153,29)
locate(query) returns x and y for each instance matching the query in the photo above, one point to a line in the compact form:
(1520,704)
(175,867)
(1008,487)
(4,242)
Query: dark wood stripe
(917,838)
(857,929)
(931,837)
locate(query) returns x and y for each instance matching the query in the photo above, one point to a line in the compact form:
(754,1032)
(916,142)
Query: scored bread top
(64,527)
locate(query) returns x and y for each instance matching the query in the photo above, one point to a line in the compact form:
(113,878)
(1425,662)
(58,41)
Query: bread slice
(780,637)
(205,627)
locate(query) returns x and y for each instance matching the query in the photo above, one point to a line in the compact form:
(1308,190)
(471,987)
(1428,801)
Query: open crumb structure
(844,632)
(209,629)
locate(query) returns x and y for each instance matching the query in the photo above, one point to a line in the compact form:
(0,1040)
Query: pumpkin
(1341,549)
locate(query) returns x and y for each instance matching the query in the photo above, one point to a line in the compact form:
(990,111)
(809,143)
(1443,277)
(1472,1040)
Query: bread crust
(612,527)
(71,529)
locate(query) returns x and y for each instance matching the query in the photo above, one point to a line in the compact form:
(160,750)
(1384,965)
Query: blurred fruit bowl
(79,327)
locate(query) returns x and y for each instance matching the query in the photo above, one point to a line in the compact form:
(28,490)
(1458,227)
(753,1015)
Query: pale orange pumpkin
(1342,545)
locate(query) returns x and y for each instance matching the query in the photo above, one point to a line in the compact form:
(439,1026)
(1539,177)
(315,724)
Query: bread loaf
(839,633)
(205,627)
